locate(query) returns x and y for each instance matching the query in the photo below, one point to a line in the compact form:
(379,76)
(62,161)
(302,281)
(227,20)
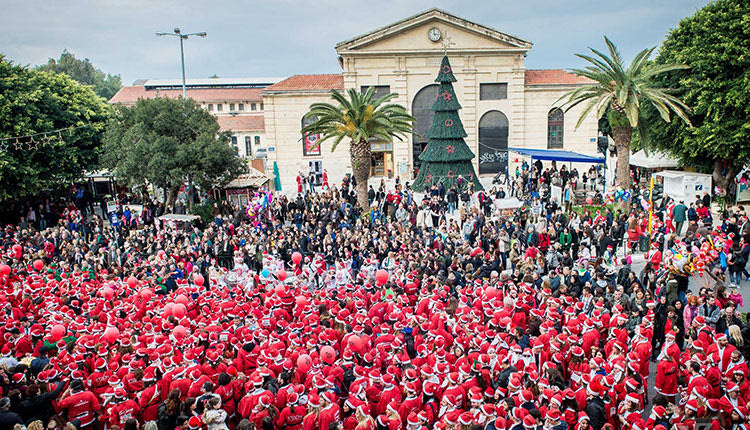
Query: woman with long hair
(169,410)
(364,420)
(310,422)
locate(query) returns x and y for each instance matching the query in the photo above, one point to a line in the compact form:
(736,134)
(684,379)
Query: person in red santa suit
(721,351)
(390,394)
(330,411)
(123,410)
(263,410)
(292,415)
(325,179)
(667,372)
(299,182)
(654,256)
(81,404)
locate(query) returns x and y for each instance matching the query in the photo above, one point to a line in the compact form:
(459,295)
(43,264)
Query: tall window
(555,125)
(257,140)
(248,146)
(231,106)
(493,91)
(219,107)
(310,144)
(252,106)
(241,106)
(234,145)
(420,109)
(493,142)
(261,106)
(380,90)
(210,107)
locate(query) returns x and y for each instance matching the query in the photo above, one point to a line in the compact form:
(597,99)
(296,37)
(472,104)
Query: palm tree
(622,94)
(361,119)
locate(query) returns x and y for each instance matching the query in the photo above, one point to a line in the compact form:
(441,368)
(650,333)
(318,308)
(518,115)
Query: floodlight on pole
(177,33)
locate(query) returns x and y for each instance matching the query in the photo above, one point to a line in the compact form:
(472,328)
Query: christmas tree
(446,158)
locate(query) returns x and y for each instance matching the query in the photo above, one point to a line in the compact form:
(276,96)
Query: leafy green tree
(715,43)
(33,102)
(624,91)
(168,142)
(359,118)
(84,72)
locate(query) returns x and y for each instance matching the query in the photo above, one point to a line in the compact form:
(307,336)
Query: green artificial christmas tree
(446,158)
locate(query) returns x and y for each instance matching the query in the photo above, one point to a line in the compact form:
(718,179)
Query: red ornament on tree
(448,122)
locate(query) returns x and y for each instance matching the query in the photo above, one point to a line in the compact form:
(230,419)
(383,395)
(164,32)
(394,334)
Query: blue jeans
(451,207)
(735,277)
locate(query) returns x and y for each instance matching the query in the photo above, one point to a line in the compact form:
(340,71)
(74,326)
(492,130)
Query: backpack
(348,377)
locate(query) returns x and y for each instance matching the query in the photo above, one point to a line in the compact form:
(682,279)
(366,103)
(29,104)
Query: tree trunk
(190,195)
(361,158)
(622,136)
(723,181)
(173,192)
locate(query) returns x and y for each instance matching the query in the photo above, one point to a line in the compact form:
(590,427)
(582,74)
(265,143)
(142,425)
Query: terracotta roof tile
(554,77)
(302,83)
(131,94)
(242,123)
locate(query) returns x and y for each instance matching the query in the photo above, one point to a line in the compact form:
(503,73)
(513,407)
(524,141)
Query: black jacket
(9,419)
(40,407)
(595,411)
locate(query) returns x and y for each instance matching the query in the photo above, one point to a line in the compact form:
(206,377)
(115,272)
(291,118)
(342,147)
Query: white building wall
(284,144)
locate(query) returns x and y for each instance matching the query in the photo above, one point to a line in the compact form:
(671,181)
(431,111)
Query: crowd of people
(428,312)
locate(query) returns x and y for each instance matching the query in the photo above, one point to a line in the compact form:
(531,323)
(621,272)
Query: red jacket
(666,378)
(123,411)
(330,414)
(82,406)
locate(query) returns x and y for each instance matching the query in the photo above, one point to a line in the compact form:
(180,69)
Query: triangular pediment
(411,34)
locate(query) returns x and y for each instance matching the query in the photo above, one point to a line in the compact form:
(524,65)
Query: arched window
(493,142)
(421,109)
(555,125)
(309,140)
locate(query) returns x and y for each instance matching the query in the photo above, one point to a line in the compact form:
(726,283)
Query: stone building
(504,104)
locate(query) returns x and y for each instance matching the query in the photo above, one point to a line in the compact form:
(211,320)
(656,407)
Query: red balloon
(589,201)
(58,331)
(281,275)
(327,354)
(18,250)
(132,282)
(296,258)
(181,299)
(491,292)
(280,289)
(381,277)
(198,280)
(38,265)
(304,362)
(179,310)
(179,332)
(167,311)
(111,334)
(301,301)
(147,293)
(355,342)
(5,269)
(108,293)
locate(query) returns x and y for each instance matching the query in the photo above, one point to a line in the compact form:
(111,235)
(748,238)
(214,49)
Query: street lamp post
(182,37)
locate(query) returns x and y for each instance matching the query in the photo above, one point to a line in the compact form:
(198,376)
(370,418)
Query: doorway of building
(316,170)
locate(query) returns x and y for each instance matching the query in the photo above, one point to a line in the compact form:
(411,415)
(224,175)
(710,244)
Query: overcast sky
(268,38)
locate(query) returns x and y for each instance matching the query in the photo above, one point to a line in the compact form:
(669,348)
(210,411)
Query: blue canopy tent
(557,155)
